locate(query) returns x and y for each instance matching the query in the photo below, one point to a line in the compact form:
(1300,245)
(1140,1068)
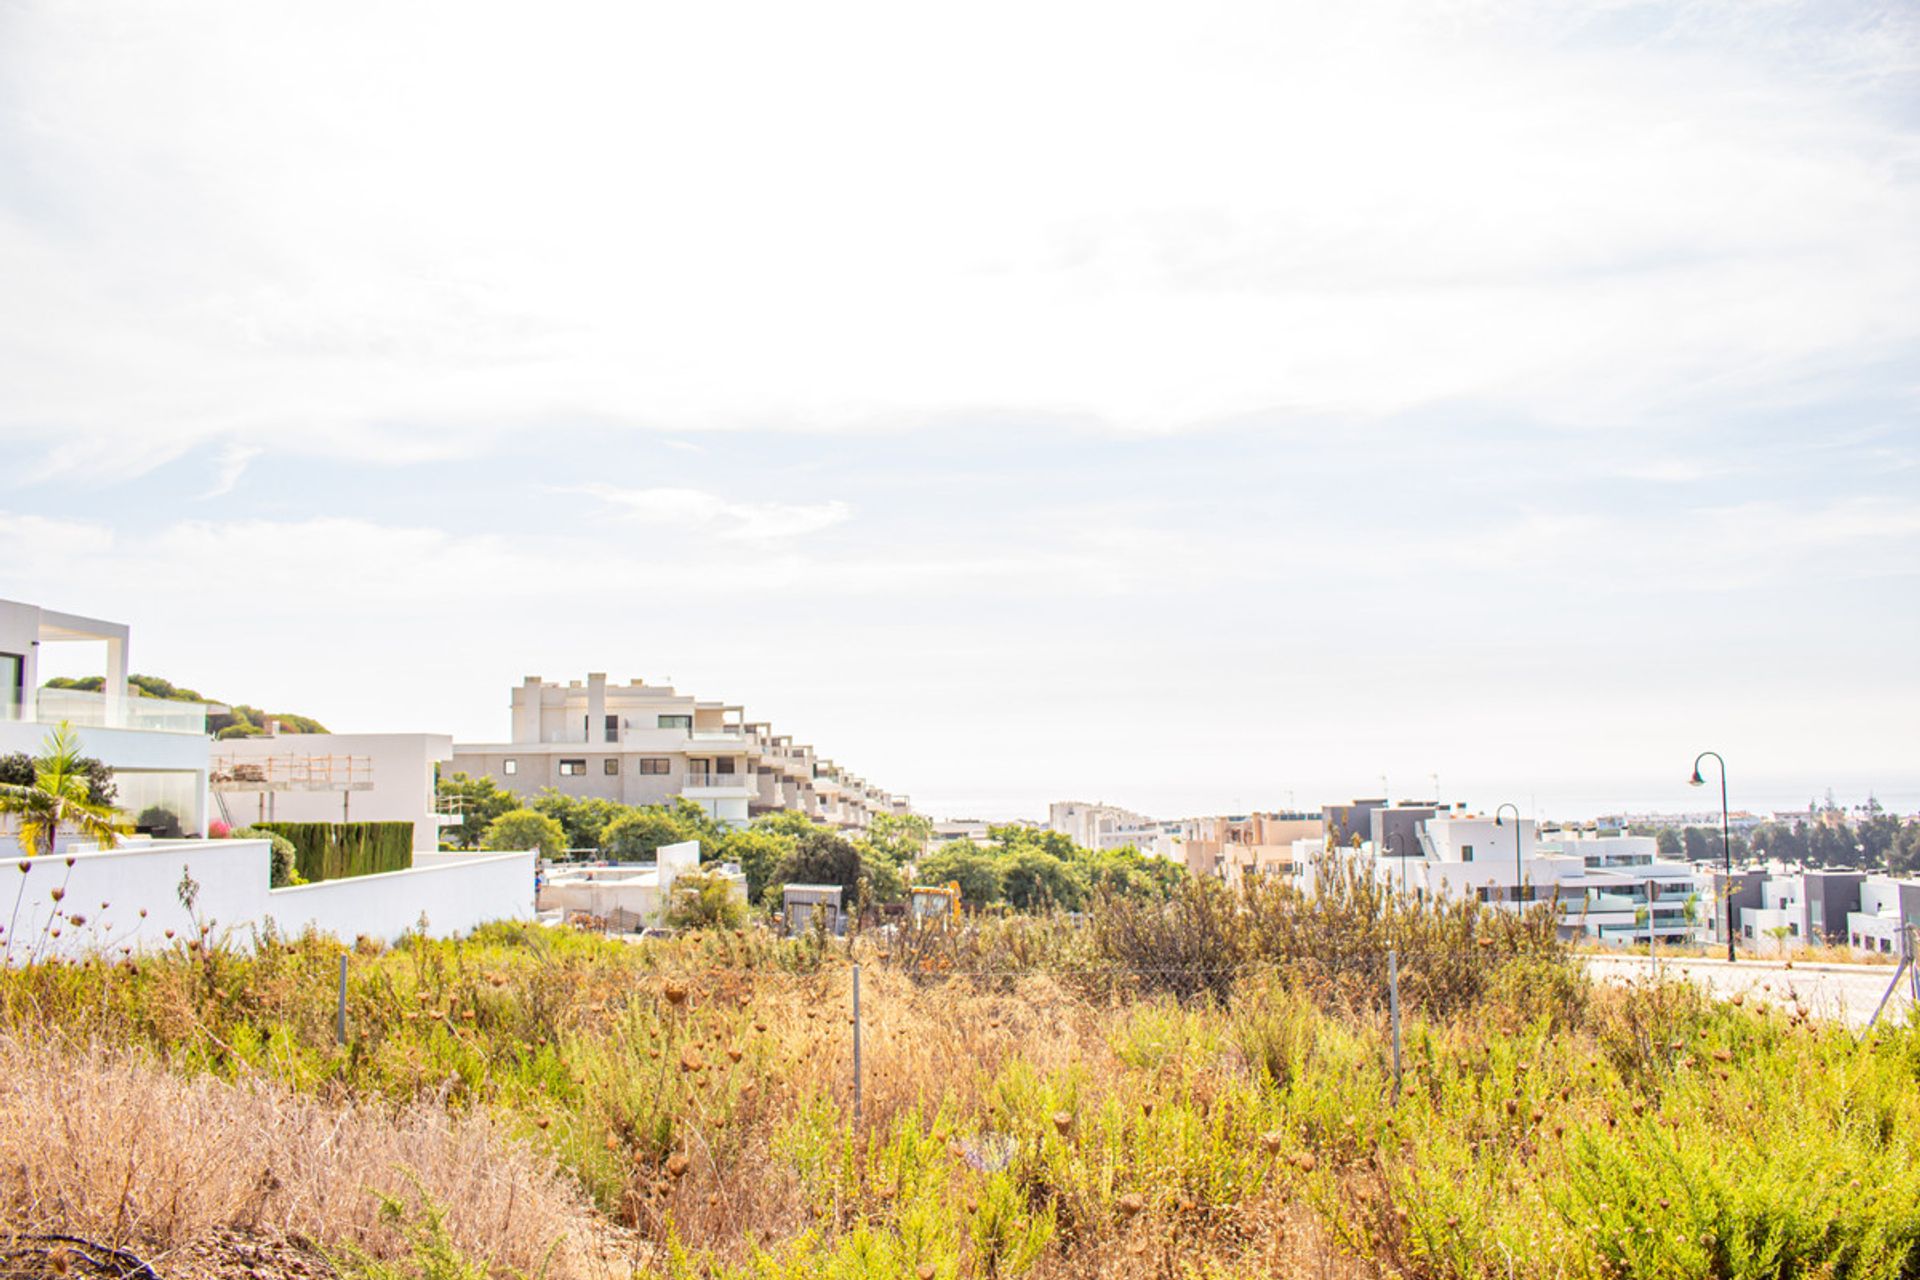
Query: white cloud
(685,218)
(697,509)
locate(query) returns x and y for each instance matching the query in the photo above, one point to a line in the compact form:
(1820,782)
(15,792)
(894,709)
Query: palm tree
(58,797)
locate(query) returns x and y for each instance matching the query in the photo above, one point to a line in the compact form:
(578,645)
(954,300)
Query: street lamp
(1518,877)
(1726,835)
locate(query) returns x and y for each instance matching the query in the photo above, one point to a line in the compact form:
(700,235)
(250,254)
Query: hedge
(337,850)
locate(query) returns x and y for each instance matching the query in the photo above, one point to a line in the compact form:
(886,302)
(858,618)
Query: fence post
(856,1044)
(340,1012)
(1393,1013)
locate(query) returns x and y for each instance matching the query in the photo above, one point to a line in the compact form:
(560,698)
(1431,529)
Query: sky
(1200,406)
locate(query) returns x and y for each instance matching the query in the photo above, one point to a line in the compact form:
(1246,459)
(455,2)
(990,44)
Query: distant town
(610,801)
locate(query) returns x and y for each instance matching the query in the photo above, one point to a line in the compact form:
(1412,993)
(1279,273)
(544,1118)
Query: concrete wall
(110,889)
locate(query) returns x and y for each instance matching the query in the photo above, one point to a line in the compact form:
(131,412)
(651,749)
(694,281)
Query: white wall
(400,767)
(110,888)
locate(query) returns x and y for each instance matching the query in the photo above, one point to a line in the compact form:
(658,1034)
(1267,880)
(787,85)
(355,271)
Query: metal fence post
(856,1044)
(1393,1013)
(340,1012)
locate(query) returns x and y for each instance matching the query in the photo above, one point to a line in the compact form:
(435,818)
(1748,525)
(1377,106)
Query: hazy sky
(1198,405)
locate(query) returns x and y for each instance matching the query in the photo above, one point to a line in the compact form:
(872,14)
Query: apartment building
(637,743)
(1785,907)
(157,749)
(1107,826)
(1233,847)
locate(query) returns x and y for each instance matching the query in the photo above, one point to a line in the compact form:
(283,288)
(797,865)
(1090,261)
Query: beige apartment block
(639,743)
(1261,844)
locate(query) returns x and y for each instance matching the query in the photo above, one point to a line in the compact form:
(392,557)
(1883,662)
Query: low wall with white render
(454,898)
(127,899)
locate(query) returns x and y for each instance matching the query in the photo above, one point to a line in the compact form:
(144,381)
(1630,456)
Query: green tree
(1012,837)
(1036,880)
(60,795)
(900,837)
(758,853)
(583,818)
(524,829)
(883,880)
(823,857)
(636,834)
(787,822)
(1128,872)
(705,901)
(480,801)
(968,865)
(1667,841)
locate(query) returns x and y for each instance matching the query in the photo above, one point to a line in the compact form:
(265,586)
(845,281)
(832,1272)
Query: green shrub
(286,859)
(338,850)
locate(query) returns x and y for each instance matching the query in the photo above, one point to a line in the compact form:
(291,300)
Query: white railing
(88,710)
(745,781)
(276,773)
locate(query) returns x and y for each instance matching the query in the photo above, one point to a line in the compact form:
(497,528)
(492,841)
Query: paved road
(1847,992)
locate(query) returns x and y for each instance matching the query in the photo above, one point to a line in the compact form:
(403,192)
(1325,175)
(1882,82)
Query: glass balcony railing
(86,710)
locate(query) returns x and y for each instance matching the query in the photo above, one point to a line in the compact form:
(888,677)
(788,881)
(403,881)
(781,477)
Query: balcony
(719,783)
(86,710)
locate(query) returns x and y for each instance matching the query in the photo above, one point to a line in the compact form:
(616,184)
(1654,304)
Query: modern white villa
(333,777)
(88,899)
(638,743)
(158,750)
(1616,888)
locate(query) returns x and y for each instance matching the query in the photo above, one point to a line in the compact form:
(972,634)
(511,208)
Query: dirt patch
(215,1255)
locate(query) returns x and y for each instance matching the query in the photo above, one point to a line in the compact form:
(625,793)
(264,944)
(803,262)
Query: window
(572,768)
(13,684)
(610,766)
(723,765)
(655,765)
(676,722)
(510,767)
(1466,853)
(613,733)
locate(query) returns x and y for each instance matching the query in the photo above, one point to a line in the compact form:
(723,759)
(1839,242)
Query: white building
(1604,885)
(334,777)
(630,896)
(157,749)
(1107,826)
(1888,908)
(638,743)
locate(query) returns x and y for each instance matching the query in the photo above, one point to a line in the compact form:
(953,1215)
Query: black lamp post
(1519,877)
(1726,834)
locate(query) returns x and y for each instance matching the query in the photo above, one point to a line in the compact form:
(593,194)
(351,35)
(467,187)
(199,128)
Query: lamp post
(1518,876)
(1726,835)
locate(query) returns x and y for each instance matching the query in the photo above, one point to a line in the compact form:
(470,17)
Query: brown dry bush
(102,1143)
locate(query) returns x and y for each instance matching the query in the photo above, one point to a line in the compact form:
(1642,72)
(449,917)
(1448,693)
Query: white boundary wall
(110,889)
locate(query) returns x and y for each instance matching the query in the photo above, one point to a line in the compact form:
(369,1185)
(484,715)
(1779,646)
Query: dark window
(613,731)
(510,767)
(723,765)
(655,765)
(572,768)
(610,765)
(676,722)
(1466,853)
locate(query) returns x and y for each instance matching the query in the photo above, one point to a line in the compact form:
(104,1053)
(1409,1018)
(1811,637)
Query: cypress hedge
(336,850)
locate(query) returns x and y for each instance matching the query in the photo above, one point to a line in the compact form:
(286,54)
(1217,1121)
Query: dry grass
(103,1144)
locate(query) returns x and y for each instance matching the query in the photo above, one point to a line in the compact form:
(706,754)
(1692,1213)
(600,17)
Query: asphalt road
(1844,992)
